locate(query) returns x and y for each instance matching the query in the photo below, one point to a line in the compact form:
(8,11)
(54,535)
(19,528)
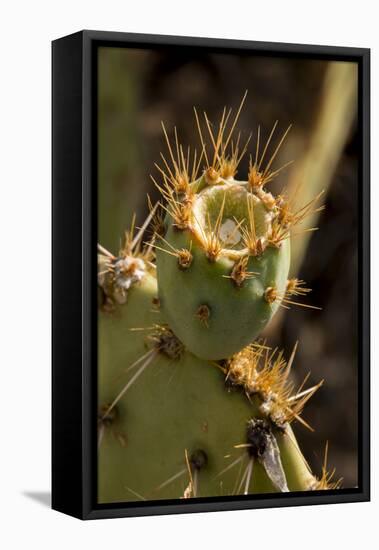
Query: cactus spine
(190,404)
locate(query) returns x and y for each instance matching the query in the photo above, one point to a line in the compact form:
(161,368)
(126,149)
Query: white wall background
(26,31)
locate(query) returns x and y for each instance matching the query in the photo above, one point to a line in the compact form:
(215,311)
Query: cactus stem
(203,313)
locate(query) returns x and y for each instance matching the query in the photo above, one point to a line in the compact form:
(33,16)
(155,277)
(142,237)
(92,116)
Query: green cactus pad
(178,405)
(237,312)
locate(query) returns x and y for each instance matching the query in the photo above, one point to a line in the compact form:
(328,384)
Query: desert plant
(190,403)
(225,244)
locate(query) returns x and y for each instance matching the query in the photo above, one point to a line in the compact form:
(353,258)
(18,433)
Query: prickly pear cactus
(190,403)
(173,425)
(179,427)
(223,252)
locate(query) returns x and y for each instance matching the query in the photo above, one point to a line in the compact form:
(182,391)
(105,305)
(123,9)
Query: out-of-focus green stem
(314,172)
(120,177)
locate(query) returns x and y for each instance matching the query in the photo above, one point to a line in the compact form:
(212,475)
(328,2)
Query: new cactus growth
(224,257)
(190,403)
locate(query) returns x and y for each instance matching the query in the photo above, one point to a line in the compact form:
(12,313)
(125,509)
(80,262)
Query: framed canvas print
(210,274)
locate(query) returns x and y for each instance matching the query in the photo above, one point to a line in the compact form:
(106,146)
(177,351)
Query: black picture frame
(74,205)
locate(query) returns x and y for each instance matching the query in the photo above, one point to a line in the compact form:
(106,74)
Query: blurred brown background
(139,88)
